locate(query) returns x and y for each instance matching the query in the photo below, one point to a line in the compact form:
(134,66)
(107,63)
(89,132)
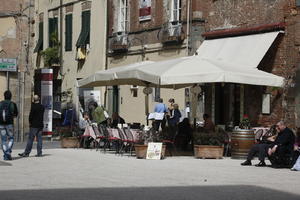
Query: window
(53,30)
(84,37)
(175,10)
(156,94)
(122,16)
(68,32)
(39,45)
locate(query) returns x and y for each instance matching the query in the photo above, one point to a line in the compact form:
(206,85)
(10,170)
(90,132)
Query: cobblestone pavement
(83,173)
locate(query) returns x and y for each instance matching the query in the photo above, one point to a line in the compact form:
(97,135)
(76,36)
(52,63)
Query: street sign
(8,64)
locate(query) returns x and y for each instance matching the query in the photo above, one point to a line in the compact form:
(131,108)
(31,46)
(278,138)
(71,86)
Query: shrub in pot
(68,137)
(208,145)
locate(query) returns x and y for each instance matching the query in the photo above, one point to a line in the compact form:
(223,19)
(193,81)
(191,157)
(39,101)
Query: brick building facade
(282,58)
(144,40)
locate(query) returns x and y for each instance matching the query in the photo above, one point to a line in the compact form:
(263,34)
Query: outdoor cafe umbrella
(186,71)
(108,77)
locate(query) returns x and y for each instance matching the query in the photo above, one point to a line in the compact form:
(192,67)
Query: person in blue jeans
(8,110)
(36,118)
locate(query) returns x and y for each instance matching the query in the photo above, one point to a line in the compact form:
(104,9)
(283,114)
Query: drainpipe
(61,37)
(106,49)
(188,28)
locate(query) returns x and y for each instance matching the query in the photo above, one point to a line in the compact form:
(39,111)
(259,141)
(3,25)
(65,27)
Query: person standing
(8,110)
(160,108)
(36,118)
(173,122)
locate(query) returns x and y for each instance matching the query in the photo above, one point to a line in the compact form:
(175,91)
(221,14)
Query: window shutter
(84,37)
(68,32)
(39,45)
(50,30)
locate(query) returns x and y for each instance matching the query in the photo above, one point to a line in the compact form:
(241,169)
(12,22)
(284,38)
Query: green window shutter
(68,32)
(50,30)
(39,45)
(84,37)
(53,28)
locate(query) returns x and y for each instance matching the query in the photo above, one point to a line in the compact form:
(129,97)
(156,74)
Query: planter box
(208,151)
(141,151)
(69,142)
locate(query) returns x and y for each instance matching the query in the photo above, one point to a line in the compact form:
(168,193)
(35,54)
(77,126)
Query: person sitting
(280,153)
(208,126)
(284,138)
(98,115)
(84,122)
(116,119)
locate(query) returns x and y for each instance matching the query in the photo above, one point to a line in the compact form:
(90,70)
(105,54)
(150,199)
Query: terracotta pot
(69,142)
(141,151)
(208,151)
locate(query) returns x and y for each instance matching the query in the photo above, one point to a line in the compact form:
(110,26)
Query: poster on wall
(266,104)
(145,10)
(47,99)
(91,96)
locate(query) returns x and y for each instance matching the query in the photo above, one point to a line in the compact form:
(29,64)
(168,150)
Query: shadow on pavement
(152,193)
(31,156)
(46,145)
(2,163)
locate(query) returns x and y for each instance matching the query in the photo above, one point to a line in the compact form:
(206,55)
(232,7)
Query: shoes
(261,164)
(7,157)
(39,155)
(293,169)
(246,163)
(23,154)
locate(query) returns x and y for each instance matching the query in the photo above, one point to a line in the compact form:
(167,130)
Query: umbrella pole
(147,107)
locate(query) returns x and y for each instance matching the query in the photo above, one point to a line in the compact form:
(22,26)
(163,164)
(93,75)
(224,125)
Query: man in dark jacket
(8,110)
(36,117)
(281,151)
(282,144)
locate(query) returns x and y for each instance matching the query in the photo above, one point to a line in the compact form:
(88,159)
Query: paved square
(76,171)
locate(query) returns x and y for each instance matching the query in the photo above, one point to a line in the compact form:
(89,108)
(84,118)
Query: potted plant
(245,123)
(68,137)
(146,136)
(209,145)
(51,55)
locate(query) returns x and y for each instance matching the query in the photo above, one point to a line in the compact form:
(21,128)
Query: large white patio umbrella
(226,60)
(109,78)
(186,71)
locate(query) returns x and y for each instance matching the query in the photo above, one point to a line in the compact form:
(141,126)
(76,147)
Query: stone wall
(16,42)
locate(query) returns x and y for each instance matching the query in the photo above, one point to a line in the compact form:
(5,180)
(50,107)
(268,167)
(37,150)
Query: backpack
(6,115)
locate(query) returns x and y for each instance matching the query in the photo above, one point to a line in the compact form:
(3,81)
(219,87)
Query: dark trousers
(260,149)
(34,132)
(158,123)
(172,132)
